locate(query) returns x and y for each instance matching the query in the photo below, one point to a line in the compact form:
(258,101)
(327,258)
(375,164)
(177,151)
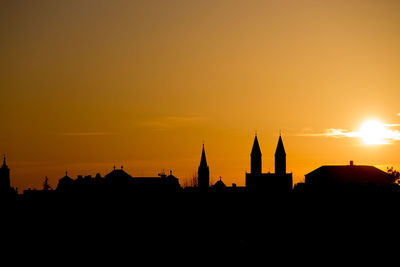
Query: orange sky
(88,84)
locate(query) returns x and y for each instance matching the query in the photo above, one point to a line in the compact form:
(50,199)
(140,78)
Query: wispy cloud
(335,133)
(382,134)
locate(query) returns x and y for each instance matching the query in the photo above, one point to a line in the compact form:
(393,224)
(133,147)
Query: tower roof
(4,166)
(203,161)
(280,149)
(256,147)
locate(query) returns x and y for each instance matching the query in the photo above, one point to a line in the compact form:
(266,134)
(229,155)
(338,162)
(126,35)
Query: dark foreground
(187,228)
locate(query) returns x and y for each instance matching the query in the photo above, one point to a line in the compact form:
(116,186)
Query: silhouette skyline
(159,215)
(85,86)
(325,179)
(127,129)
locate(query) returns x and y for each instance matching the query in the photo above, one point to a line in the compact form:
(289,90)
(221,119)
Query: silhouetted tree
(394,173)
(195,181)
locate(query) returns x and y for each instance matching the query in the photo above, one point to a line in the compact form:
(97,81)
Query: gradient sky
(87,84)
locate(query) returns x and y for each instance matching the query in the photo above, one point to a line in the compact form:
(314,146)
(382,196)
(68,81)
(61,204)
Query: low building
(118,181)
(348,178)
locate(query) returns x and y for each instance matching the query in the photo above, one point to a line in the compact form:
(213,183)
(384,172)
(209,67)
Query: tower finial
(4,159)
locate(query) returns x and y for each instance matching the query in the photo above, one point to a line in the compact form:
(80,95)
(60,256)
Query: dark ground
(290,229)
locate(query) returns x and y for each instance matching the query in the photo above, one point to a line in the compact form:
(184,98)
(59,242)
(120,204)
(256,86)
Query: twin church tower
(280,181)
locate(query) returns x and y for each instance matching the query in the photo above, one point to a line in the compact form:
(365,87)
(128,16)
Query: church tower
(280,158)
(203,173)
(4,177)
(255,163)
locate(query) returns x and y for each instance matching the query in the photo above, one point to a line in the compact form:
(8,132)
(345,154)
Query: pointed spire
(203,173)
(203,161)
(4,160)
(256,146)
(280,149)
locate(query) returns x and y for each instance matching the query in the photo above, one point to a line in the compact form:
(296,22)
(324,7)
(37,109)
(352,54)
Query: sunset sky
(86,85)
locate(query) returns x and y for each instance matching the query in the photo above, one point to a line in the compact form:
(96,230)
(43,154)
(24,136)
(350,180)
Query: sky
(86,85)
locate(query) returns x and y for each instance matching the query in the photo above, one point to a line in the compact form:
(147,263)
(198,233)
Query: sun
(373,132)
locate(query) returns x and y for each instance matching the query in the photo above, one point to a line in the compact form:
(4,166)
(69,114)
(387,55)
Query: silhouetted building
(277,182)
(161,184)
(219,186)
(348,178)
(4,178)
(118,177)
(65,184)
(118,182)
(203,173)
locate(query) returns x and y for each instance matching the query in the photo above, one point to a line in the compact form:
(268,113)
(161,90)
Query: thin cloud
(388,136)
(335,133)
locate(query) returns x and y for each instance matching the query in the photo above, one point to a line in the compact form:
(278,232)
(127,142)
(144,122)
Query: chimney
(351,163)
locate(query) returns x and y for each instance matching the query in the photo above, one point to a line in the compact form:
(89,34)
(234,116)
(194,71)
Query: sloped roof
(117,174)
(347,174)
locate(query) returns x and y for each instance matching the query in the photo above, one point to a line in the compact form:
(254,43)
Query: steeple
(203,172)
(280,149)
(203,161)
(280,157)
(255,161)
(4,166)
(4,176)
(256,147)
(4,161)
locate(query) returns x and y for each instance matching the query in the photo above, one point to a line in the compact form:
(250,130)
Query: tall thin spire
(4,160)
(255,157)
(280,157)
(280,149)
(203,161)
(203,172)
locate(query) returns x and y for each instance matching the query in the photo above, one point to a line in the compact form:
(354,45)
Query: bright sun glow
(373,132)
